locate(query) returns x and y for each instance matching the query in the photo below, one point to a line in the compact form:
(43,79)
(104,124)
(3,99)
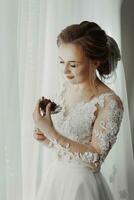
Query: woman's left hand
(44,123)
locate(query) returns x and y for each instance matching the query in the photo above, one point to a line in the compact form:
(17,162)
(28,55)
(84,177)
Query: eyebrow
(71,60)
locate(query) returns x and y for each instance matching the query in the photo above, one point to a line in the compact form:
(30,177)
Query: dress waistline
(76,165)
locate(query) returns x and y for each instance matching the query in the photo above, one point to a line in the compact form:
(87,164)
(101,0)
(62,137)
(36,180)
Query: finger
(38,107)
(48,109)
(37,103)
(37,110)
(38,132)
(38,136)
(41,135)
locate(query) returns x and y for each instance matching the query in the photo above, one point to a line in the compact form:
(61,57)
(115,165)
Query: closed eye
(72,65)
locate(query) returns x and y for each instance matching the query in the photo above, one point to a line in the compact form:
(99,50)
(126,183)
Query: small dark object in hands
(54,107)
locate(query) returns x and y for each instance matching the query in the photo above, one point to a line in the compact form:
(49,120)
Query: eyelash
(73,66)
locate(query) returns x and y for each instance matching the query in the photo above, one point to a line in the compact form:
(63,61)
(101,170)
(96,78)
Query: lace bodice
(82,125)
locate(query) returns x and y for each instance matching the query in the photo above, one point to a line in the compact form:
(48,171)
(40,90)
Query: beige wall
(127,34)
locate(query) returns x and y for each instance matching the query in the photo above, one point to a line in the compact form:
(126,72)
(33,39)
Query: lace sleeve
(107,125)
(104,134)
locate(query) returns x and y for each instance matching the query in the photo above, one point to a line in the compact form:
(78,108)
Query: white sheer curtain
(29,70)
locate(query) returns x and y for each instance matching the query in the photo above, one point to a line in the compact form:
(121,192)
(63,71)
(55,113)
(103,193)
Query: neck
(85,87)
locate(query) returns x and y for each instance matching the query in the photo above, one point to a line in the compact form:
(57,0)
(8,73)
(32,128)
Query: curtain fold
(10,137)
(29,69)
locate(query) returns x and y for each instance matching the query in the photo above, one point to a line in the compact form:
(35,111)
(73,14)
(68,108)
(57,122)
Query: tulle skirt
(70,181)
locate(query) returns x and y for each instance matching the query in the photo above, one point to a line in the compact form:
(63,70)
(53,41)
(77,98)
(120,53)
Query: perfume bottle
(54,107)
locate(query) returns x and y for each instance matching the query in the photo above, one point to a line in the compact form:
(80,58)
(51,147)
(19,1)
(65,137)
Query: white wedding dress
(73,176)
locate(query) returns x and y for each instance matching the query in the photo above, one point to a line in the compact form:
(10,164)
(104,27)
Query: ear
(96,63)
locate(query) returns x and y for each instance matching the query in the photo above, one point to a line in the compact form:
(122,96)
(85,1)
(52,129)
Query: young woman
(84,131)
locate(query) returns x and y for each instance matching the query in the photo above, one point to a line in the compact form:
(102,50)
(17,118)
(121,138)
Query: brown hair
(95,43)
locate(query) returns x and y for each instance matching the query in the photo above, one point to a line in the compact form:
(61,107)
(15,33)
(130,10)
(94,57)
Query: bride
(83,132)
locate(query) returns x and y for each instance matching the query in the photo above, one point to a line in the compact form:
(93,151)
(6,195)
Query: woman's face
(74,63)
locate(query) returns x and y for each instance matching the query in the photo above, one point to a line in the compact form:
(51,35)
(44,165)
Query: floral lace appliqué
(78,127)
